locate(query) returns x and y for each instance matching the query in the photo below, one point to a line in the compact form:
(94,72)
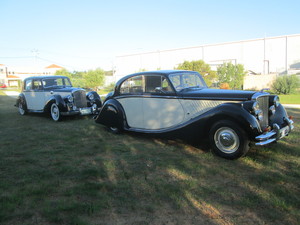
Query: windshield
(59,82)
(182,81)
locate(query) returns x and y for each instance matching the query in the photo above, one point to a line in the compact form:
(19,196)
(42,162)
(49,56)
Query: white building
(12,75)
(270,55)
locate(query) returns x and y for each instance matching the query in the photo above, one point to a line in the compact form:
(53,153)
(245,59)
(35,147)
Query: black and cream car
(56,96)
(180,101)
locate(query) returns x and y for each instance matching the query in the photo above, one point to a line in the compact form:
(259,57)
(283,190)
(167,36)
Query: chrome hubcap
(226,140)
(54,112)
(21,110)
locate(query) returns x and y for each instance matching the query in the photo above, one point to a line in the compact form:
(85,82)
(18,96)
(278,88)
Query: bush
(286,84)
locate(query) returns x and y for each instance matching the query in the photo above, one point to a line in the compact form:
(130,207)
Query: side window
(133,85)
(28,85)
(157,85)
(37,85)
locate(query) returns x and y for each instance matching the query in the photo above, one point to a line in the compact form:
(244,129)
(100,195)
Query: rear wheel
(114,130)
(55,113)
(22,109)
(228,139)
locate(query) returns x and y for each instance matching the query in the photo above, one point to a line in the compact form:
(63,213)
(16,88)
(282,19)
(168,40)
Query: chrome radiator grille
(80,99)
(263,102)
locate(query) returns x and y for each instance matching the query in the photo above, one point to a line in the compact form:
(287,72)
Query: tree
(94,78)
(63,72)
(286,84)
(231,74)
(201,67)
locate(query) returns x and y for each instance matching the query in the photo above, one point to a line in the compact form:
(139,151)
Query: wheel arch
(235,113)
(58,100)
(112,114)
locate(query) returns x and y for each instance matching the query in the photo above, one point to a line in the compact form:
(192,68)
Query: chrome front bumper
(275,134)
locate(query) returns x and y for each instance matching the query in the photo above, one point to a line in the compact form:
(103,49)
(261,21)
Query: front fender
(112,114)
(59,101)
(234,112)
(96,100)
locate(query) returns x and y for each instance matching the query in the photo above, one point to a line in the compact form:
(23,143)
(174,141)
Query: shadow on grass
(75,172)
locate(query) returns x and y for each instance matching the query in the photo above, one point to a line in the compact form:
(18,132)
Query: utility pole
(35,53)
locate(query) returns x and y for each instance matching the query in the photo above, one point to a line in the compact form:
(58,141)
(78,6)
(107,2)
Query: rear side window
(133,85)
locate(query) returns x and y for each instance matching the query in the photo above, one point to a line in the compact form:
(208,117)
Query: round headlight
(70,98)
(276,101)
(255,108)
(272,109)
(260,115)
(91,97)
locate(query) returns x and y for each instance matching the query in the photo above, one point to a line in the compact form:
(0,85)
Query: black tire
(114,130)
(22,108)
(55,112)
(228,140)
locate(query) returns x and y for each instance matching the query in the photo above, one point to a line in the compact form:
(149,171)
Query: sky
(88,34)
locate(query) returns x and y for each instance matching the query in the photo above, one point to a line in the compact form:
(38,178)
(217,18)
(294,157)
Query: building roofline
(208,45)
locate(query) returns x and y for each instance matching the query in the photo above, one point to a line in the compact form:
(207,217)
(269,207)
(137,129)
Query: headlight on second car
(255,108)
(70,99)
(272,109)
(276,101)
(91,97)
(260,115)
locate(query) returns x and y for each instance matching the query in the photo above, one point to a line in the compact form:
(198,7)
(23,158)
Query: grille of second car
(80,99)
(264,106)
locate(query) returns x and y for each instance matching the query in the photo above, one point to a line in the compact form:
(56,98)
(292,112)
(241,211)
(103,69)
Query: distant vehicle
(180,101)
(56,96)
(2,85)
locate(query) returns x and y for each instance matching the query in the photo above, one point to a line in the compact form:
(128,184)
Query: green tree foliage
(90,79)
(94,78)
(64,72)
(286,84)
(201,67)
(231,74)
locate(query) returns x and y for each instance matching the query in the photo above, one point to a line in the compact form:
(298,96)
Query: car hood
(67,89)
(217,94)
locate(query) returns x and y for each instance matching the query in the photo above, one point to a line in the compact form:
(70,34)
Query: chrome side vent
(80,99)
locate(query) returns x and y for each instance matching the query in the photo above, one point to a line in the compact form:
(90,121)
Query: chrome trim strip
(265,142)
(266,136)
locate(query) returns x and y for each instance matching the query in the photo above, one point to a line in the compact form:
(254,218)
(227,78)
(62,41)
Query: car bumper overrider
(275,134)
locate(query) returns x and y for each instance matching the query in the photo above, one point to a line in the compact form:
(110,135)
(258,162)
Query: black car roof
(155,72)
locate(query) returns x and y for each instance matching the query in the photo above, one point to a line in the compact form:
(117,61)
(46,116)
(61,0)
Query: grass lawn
(290,99)
(75,172)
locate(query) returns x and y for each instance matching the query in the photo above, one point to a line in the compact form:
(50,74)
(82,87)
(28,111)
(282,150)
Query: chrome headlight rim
(276,101)
(70,98)
(91,97)
(255,108)
(260,115)
(272,109)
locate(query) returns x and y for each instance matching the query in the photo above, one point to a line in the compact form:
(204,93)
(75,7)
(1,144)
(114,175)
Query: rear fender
(21,98)
(112,115)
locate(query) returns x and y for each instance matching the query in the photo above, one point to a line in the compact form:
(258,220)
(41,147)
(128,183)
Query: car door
(161,107)
(131,99)
(35,97)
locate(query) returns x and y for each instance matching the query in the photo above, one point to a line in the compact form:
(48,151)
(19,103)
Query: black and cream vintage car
(180,101)
(56,96)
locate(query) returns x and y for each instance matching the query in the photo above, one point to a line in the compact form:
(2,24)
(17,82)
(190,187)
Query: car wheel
(114,130)
(228,140)
(55,113)
(22,110)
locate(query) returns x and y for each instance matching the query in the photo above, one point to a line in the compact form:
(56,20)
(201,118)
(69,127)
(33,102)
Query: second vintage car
(56,95)
(180,101)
